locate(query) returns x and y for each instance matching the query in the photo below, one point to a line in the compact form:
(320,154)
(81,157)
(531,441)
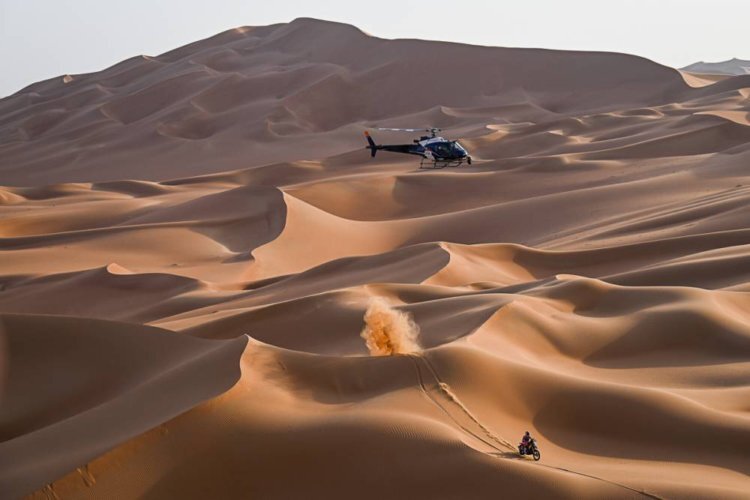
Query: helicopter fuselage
(439,151)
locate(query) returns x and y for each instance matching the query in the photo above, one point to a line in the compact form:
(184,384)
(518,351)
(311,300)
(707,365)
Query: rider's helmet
(527,433)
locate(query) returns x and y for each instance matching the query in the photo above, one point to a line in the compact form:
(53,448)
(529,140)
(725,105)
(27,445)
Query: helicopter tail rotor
(371,144)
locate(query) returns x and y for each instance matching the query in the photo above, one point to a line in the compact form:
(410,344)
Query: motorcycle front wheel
(537,455)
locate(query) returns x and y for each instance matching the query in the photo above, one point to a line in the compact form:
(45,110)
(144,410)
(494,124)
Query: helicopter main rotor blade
(431,130)
(403,129)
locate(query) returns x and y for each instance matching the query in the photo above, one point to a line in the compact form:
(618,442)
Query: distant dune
(304,90)
(733,66)
(203,271)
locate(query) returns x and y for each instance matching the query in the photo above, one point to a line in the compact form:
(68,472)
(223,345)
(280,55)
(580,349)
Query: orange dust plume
(389,331)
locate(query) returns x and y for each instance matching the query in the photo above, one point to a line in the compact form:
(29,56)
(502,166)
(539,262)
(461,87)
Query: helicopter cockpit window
(457,149)
(441,149)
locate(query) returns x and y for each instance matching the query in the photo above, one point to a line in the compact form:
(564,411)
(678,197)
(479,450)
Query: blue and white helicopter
(436,152)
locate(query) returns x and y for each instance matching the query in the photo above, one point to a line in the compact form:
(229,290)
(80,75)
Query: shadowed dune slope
(67,377)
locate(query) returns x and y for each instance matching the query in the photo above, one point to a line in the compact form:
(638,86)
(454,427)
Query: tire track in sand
(485,435)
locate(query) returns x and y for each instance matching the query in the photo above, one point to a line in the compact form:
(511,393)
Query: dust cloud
(389,331)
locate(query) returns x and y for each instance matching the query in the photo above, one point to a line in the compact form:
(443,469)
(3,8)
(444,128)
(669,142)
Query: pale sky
(40,39)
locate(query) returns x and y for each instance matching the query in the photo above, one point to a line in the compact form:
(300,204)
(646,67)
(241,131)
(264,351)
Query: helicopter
(436,152)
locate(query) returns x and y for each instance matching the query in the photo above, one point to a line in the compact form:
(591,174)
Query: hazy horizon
(40,39)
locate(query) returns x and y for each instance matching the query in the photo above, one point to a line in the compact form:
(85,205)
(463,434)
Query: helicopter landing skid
(438,164)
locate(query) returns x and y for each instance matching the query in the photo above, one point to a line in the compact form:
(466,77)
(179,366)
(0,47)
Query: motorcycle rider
(526,441)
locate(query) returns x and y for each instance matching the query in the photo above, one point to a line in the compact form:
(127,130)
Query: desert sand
(208,289)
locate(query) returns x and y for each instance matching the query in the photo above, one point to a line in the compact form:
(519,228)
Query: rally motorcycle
(530,449)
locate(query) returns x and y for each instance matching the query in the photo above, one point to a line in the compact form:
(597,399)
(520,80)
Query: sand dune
(64,383)
(732,66)
(311,99)
(587,278)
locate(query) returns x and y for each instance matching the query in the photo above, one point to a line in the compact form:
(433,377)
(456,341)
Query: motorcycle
(530,449)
